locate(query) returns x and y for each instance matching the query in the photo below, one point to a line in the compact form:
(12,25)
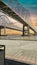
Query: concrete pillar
(0,31)
(25,30)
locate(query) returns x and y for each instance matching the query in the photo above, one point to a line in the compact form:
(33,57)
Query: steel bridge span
(14,13)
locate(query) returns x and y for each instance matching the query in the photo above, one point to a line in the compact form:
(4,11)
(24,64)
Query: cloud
(34,20)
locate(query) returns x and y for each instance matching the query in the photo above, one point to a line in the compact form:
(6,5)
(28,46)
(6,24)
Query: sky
(30,5)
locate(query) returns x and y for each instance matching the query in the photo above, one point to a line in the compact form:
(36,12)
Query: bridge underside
(25,30)
(2,27)
(12,14)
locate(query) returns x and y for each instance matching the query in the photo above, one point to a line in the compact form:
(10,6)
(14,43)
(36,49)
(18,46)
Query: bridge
(12,8)
(6,23)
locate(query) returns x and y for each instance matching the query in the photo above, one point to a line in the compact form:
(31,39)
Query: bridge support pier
(25,30)
(1,27)
(0,31)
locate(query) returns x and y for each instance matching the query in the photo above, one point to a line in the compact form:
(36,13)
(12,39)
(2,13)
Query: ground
(21,50)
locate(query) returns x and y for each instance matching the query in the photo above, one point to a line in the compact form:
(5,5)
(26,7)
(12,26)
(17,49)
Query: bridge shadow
(12,62)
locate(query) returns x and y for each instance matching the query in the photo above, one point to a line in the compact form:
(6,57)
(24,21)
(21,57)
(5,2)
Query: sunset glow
(34,20)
